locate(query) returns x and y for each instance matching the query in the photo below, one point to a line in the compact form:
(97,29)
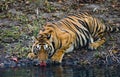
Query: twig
(111,54)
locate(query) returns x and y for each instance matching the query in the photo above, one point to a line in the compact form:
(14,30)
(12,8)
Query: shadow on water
(61,71)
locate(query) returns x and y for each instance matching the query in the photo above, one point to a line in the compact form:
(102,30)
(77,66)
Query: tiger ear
(48,36)
(34,39)
(48,24)
(40,31)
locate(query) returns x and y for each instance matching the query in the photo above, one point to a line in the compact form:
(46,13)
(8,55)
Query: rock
(35,62)
(1,65)
(13,11)
(14,59)
(1,47)
(13,64)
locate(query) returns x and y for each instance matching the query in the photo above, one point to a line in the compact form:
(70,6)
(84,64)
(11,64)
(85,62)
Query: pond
(61,71)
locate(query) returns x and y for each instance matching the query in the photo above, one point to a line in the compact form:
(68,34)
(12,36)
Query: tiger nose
(43,54)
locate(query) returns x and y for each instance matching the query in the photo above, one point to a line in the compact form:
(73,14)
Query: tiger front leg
(31,55)
(58,56)
(66,42)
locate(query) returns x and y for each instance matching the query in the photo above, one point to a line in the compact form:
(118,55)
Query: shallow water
(60,71)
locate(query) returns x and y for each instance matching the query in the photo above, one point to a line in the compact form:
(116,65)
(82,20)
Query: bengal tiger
(73,32)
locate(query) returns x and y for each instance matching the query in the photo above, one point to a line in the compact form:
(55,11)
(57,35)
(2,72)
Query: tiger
(72,32)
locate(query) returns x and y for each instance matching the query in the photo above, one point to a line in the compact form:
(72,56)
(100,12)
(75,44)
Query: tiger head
(43,46)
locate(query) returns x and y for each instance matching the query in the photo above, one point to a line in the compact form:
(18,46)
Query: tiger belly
(70,49)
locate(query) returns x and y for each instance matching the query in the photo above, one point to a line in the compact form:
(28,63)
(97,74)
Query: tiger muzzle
(42,53)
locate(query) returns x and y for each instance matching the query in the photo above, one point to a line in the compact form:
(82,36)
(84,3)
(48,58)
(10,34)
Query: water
(60,71)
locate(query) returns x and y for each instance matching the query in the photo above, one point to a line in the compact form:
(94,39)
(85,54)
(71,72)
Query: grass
(22,32)
(13,32)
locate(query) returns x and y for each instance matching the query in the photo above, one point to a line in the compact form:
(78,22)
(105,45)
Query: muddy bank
(20,20)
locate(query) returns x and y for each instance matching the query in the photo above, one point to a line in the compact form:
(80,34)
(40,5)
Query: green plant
(97,54)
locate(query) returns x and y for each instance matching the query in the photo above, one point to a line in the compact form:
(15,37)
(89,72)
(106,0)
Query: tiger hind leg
(97,43)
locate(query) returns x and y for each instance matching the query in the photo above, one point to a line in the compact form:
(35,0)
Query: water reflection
(60,71)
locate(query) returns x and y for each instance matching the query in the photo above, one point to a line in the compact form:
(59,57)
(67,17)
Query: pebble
(1,65)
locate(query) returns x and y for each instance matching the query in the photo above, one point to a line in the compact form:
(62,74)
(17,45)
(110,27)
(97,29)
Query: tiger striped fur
(72,32)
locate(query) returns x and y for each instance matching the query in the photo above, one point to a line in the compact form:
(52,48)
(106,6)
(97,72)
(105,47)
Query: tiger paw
(93,46)
(31,55)
(56,59)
